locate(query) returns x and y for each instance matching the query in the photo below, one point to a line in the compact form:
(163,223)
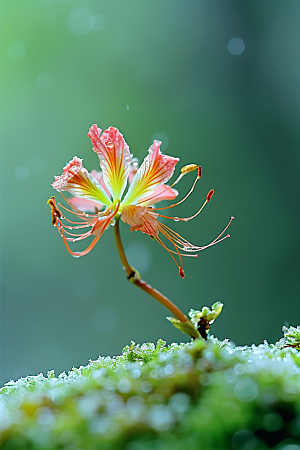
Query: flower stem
(134,277)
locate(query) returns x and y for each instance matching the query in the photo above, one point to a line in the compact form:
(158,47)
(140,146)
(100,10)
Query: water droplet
(76,256)
(127,107)
(176,219)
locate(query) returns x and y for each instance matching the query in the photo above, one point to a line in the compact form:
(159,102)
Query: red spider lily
(102,192)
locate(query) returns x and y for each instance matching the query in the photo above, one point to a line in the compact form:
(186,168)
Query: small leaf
(185,327)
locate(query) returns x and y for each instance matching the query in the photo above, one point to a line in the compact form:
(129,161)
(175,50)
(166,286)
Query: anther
(209,195)
(189,168)
(199,172)
(181,272)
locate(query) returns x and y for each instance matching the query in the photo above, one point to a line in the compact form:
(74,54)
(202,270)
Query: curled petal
(79,182)
(141,218)
(161,192)
(156,169)
(114,156)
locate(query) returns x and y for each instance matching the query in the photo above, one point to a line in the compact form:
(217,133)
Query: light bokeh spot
(16,51)
(21,173)
(79,21)
(97,22)
(44,81)
(236,46)
(161,136)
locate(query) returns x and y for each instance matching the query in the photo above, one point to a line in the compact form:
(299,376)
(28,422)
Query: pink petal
(86,205)
(79,182)
(161,192)
(141,218)
(156,169)
(114,156)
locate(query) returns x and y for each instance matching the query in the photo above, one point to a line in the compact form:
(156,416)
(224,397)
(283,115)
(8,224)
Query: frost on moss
(201,395)
(291,338)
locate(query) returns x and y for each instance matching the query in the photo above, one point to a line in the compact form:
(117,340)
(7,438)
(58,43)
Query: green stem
(134,277)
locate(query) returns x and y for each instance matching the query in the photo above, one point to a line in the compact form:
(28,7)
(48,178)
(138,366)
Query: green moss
(201,395)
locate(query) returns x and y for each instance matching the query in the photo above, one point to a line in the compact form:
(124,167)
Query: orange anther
(209,195)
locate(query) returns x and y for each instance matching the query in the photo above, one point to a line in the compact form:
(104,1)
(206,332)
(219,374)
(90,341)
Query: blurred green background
(218,82)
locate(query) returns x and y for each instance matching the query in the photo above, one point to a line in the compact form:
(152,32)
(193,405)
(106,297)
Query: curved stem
(134,277)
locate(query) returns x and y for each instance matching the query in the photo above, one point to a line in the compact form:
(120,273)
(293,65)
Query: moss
(201,395)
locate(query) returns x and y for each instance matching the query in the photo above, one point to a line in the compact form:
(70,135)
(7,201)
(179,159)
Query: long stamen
(186,219)
(84,252)
(166,234)
(184,171)
(231,219)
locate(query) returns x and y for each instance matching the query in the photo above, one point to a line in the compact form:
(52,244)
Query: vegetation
(205,394)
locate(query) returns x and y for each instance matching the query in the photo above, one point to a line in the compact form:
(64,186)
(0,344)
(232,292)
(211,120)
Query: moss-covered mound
(202,395)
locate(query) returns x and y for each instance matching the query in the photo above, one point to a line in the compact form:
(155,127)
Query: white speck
(236,46)
(97,22)
(22,173)
(44,80)
(79,21)
(16,51)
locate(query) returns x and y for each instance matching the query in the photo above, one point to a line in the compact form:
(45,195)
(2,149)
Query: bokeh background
(218,83)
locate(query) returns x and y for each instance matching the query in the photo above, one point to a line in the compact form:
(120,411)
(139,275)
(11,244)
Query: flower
(103,194)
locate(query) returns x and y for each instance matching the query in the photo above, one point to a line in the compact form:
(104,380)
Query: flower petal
(161,192)
(141,218)
(99,178)
(79,182)
(156,169)
(85,205)
(114,156)
(103,222)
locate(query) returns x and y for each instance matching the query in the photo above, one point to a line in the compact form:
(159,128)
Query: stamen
(181,272)
(55,212)
(189,168)
(166,248)
(184,171)
(231,219)
(199,172)
(209,195)
(181,201)
(84,252)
